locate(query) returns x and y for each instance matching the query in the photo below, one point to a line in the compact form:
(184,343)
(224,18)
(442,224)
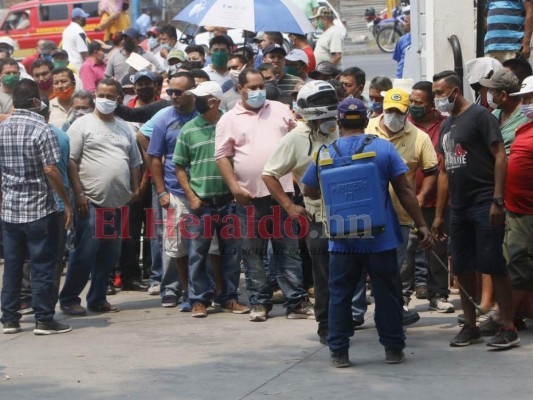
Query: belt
(218,200)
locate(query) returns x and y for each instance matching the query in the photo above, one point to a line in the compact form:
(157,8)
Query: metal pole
(480,33)
(390,5)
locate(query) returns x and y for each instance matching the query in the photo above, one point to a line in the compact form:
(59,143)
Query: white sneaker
(258,313)
(154,289)
(441,304)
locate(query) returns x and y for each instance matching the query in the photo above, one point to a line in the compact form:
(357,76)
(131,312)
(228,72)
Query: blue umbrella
(250,15)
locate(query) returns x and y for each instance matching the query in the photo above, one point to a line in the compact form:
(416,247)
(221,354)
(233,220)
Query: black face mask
(201,105)
(196,64)
(129,45)
(125,6)
(145,94)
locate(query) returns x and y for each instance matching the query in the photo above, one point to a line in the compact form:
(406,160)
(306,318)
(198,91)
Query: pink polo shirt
(91,73)
(250,138)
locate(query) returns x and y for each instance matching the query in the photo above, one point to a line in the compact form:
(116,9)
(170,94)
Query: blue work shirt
(399,53)
(62,165)
(390,166)
(167,127)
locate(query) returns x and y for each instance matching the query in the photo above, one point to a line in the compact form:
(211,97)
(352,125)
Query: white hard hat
(317,100)
(7,40)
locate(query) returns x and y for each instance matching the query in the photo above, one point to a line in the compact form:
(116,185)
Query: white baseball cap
(297,55)
(7,40)
(208,88)
(526,88)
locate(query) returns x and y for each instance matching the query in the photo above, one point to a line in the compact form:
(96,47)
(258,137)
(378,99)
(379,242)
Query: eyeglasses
(177,92)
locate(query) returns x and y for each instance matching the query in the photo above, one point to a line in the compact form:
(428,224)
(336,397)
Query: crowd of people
(136,158)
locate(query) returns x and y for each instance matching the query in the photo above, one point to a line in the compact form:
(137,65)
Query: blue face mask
(152,43)
(256,98)
(165,46)
(375,107)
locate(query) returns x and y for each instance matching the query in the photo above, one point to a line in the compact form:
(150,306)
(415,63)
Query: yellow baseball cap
(396,98)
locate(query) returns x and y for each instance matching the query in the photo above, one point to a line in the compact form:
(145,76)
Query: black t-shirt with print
(465,142)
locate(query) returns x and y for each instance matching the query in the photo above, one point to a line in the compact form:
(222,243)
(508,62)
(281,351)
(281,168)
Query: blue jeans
(200,283)
(39,240)
(286,255)
(156,241)
(345,273)
(92,255)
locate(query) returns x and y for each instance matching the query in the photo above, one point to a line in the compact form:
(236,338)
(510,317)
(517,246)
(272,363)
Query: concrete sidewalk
(148,352)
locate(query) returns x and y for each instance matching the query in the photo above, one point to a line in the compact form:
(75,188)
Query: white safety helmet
(317,100)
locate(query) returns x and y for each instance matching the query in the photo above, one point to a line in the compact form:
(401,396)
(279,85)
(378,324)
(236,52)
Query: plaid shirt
(27,145)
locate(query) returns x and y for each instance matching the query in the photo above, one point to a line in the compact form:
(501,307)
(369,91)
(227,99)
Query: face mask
(219,59)
(291,71)
(145,94)
(320,25)
(41,108)
(527,110)
(60,64)
(129,45)
(105,106)
(234,76)
(256,98)
(63,95)
(152,43)
(165,46)
(490,100)
(417,112)
(47,57)
(443,104)
(328,127)
(81,112)
(10,80)
(395,122)
(45,85)
(376,107)
(202,105)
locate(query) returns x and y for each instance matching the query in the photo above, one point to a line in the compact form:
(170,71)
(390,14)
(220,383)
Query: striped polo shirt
(505,25)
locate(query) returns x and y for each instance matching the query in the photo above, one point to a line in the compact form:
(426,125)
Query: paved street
(147,352)
(373,64)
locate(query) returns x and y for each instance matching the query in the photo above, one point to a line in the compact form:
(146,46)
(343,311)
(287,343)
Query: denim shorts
(476,245)
(518,248)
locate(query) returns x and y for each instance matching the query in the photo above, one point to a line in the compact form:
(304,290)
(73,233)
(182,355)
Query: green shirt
(307,6)
(195,149)
(510,126)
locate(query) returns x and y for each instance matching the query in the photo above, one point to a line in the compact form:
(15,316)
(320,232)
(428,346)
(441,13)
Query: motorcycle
(373,20)
(391,29)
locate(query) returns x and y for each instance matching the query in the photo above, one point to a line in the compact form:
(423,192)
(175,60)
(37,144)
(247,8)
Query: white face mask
(328,127)
(105,106)
(395,122)
(490,100)
(444,105)
(527,110)
(234,76)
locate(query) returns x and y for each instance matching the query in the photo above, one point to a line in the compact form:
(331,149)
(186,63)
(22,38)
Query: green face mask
(10,80)
(219,59)
(291,70)
(60,64)
(320,25)
(417,112)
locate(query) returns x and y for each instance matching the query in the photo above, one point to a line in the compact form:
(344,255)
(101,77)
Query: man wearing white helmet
(7,47)
(317,104)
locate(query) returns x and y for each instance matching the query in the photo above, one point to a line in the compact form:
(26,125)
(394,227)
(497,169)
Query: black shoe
(340,360)
(393,356)
(410,317)
(519,323)
(357,324)
(104,307)
(322,338)
(74,310)
(134,286)
(489,327)
(11,327)
(467,336)
(51,328)
(323,334)
(505,338)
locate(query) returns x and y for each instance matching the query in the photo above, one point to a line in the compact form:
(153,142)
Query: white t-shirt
(74,42)
(329,42)
(215,76)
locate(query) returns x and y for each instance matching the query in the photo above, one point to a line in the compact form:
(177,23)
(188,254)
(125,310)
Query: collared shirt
(58,114)
(508,129)
(195,150)
(91,73)
(250,138)
(215,76)
(433,132)
(417,152)
(229,99)
(288,83)
(294,154)
(27,145)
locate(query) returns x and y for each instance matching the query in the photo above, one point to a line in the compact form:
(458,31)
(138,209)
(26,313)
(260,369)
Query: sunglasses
(177,92)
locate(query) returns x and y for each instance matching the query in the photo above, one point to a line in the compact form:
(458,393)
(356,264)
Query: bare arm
(276,190)
(311,192)
(54,178)
(528,29)
(242,196)
(500,172)
(82,202)
(336,58)
(442,203)
(195,203)
(135,178)
(158,173)
(428,183)
(408,200)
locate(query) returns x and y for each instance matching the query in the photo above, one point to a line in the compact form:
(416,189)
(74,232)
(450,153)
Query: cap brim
(393,104)
(488,83)
(519,94)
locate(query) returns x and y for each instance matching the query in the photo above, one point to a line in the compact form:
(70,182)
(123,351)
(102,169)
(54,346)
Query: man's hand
(496,215)
(163,53)
(82,205)
(164,201)
(526,51)
(421,199)
(437,229)
(295,210)
(69,216)
(425,238)
(195,203)
(243,197)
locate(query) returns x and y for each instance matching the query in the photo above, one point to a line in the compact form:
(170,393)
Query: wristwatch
(499,201)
